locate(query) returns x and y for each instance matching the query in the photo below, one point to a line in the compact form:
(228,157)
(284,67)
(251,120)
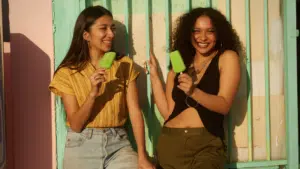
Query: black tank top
(209,83)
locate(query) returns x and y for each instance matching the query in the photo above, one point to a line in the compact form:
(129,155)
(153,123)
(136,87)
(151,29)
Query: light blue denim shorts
(99,148)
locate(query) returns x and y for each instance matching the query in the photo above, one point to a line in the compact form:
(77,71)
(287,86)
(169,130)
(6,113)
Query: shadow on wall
(152,122)
(30,69)
(239,108)
(8,106)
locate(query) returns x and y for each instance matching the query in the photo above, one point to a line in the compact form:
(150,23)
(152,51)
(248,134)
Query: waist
(101,125)
(111,121)
(188,118)
(184,131)
(99,131)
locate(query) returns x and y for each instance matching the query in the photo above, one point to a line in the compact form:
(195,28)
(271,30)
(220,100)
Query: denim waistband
(88,132)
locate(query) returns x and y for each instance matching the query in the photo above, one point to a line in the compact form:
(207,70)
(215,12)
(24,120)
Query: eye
(113,28)
(196,31)
(103,28)
(211,30)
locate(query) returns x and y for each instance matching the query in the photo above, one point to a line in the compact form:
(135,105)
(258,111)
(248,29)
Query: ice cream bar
(177,62)
(107,60)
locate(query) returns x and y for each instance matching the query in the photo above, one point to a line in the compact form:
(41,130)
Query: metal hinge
(53,17)
(54,28)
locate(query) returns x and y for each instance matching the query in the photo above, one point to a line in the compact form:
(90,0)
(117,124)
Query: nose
(203,36)
(110,32)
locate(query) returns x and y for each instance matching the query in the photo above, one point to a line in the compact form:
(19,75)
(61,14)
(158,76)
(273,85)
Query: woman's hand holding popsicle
(98,77)
(186,83)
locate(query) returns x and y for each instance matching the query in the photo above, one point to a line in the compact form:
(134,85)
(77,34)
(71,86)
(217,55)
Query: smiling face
(101,34)
(204,36)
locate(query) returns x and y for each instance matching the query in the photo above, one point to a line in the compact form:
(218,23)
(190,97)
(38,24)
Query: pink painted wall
(30,65)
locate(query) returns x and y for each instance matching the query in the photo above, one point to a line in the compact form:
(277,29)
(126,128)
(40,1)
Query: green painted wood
(267,79)
(149,142)
(106,4)
(88,3)
(228,9)
(290,81)
(249,83)
(270,167)
(126,14)
(230,128)
(168,34)
(188,5)
(208,3)
(63,24)
(257,164)
(82,5)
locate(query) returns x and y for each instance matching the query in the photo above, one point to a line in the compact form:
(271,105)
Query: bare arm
(78,116)
(229,82)
(163,99)
(137,122)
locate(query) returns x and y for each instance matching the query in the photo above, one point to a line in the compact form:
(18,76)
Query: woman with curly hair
(196,101)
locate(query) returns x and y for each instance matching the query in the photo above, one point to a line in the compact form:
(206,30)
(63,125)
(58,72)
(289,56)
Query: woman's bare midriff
(189,118)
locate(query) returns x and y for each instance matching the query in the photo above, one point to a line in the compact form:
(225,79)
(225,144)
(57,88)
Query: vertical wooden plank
(267,79)
(248,54)
(63,25)
(290,79)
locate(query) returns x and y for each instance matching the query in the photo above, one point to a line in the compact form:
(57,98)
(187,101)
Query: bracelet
(186,102)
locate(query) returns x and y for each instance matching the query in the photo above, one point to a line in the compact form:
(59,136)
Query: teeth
(108,42)
(203,45)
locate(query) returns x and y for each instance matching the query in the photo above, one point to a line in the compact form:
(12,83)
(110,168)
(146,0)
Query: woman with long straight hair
(97,100)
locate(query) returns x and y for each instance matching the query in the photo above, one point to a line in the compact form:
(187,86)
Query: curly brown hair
(227,38)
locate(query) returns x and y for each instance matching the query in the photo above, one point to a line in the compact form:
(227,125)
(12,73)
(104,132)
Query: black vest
(209,83)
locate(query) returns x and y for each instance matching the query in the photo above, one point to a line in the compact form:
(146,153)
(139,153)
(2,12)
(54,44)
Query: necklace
(194,78)
(194,72)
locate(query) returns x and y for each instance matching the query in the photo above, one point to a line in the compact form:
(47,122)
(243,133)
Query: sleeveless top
(209,83)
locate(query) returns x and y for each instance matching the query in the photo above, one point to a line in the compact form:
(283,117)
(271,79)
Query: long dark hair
(78,56)
(227,39)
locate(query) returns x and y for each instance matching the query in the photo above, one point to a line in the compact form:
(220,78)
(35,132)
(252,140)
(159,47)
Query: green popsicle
(177,62)
(107,60)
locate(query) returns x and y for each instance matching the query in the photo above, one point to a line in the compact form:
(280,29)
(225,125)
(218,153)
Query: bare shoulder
(229,58)
(229,54)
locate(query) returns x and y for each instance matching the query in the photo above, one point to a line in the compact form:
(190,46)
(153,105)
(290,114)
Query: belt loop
(92,132)
(114,132)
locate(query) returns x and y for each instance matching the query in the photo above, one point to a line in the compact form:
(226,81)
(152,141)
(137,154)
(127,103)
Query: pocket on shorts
(121,134)
(74,139)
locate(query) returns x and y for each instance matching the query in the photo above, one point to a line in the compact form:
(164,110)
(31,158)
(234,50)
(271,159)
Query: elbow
(76,128)
(75,125)
(225,110)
